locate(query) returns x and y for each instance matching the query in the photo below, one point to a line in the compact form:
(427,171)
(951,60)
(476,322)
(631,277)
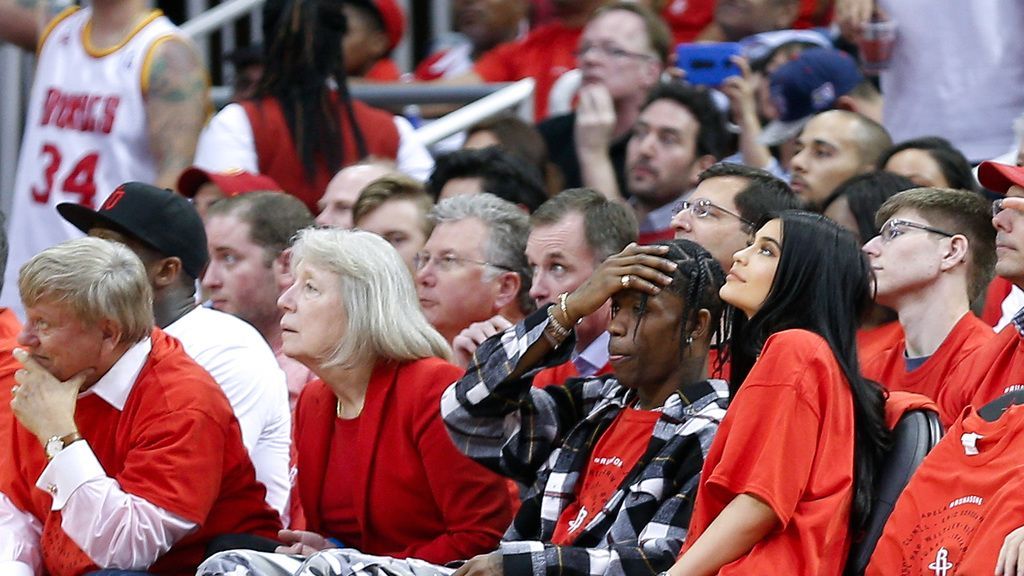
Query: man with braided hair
(303,125)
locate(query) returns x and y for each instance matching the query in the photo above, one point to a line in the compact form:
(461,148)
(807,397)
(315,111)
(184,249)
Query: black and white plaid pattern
(1018,322)
(544,438)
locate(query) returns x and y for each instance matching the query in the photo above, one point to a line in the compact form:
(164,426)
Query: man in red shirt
(933,257)
(123,452)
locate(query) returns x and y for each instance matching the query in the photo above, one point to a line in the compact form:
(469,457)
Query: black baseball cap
(159,218)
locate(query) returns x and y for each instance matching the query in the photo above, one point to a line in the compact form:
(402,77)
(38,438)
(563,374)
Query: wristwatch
(57,443)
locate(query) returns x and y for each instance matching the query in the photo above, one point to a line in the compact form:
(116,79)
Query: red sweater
(176,444)
(414,494)
(275,148)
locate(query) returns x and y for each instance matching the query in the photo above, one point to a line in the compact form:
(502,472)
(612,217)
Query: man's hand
(302,543)
(1014,203)
(482,565)
(44,405)
(466,343)
(595,120)
(851,14)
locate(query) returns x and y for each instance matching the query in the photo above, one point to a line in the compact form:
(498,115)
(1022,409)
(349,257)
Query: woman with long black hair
(788,480)
(303,125)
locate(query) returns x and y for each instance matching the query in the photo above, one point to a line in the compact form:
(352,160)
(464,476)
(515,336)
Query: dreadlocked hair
(697,279)
(305,73)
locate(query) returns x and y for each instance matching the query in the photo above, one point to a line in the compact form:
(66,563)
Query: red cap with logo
(232,182)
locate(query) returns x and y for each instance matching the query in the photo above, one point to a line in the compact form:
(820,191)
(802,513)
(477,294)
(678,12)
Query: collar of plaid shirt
(1018,322)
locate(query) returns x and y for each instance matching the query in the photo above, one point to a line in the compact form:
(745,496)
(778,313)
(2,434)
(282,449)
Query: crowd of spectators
(670,331)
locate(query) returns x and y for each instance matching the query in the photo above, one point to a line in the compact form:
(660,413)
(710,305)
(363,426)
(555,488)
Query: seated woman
(788,480)
(377,471)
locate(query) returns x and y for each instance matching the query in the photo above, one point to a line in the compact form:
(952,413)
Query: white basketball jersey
(85,132)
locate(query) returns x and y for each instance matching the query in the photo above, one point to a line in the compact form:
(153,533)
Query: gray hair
(507,227)
(97,279)
(607,226)
(377,291)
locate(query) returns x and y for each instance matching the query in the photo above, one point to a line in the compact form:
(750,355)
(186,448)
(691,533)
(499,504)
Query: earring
(689,339)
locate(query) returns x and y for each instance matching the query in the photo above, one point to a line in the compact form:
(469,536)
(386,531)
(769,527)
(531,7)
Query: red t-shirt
(383,70)
(993,370)
(687,18)
(888,366)
(614,456)
(176,444)
(544,54)
(956,510)
(337,504)
(787,439)
(871,341)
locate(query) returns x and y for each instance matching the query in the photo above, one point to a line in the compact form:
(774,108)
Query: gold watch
(57,443)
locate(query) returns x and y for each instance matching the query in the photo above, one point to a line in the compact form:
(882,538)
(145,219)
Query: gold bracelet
(562,298)
(559,331)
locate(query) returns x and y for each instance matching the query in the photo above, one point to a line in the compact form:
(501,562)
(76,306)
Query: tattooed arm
(177,105)
(21,22)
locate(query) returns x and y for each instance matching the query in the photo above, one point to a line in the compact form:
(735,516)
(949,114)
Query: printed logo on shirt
(614,461)
(79,112)
(976,500)
(941,566)
(577,522)
(1013,388)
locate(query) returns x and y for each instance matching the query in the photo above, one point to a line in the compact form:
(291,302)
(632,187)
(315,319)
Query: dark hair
(765,193)
(274,218)
(955,167)
(607,226)
(697,279)
(865,194)
(304,56)
(712,138)
(803,296)
(503,174)
(521,138)
(957,212)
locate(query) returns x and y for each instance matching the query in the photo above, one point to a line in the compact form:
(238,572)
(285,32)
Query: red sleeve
(770,416)
(499,63)
(475,502)
(176,462)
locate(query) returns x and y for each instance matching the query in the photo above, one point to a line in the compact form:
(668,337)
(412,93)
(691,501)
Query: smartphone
(708,64)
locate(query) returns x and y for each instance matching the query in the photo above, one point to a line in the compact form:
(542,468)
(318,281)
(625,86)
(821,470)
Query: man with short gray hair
(123,453)
(474,266)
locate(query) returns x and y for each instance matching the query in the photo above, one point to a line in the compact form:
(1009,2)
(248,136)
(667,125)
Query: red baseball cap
(394,20)
(232,182)
(999,177)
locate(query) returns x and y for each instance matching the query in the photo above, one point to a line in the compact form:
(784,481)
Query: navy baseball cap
(809,84)
(159,218)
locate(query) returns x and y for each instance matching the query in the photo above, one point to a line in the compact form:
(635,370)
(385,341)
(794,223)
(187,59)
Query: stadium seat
(916,433)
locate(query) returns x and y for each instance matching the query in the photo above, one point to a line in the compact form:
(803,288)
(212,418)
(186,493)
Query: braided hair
(697,279)
(305,66)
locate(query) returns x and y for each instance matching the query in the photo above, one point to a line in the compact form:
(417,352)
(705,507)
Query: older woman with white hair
(377,471)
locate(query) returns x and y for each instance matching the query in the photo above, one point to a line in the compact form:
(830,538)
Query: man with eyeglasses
(473,266)
(729,201)
(620,55)
(933,257)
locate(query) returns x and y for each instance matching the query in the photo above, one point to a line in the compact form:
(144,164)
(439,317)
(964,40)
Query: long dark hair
(822,284)
(305,64)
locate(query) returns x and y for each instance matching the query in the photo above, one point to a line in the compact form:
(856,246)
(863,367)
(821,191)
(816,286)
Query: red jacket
(176,444)
(277,158)
(416,495)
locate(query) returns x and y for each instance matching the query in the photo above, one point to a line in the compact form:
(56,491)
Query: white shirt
(227,143)
(594,357)
(114,528)
(242,363)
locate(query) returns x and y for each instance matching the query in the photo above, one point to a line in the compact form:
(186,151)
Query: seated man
(474,266)
(933,257)
(165,232)
(123,452)
(396,208)
(335,206)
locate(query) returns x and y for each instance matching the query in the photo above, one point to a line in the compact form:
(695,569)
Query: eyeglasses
(703,207)
(894,228)
(449,262)
(609,50)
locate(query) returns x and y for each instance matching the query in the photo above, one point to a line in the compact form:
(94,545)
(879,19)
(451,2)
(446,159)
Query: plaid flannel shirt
(544,437)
